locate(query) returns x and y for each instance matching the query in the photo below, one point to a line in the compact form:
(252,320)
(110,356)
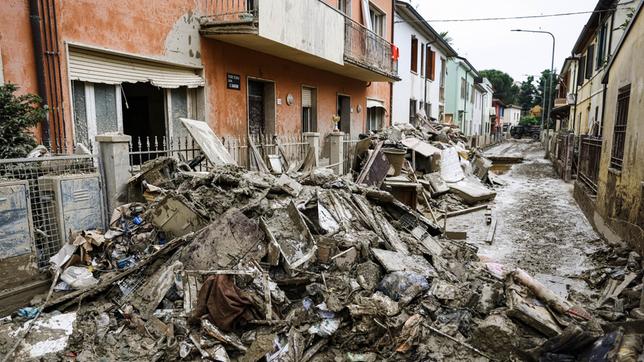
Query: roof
(512,106)
(467,62)
(621,41)
(496,100)
(593,23)
(404,8)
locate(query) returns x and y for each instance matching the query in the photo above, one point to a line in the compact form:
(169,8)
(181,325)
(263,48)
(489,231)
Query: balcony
(560,102)
(308,32)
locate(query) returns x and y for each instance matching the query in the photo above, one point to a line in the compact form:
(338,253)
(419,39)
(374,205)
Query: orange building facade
(247,66)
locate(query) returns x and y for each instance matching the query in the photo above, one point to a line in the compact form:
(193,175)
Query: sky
(491,44)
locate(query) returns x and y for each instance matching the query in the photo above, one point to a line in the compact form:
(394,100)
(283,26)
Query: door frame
(337,98)
(263,80)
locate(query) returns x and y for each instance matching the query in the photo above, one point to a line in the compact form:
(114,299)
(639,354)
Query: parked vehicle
(520,131)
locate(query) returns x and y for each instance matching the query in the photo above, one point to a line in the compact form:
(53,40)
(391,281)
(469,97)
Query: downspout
(34,17)
(465,99)
(391,84)
(605,85)
(425,80)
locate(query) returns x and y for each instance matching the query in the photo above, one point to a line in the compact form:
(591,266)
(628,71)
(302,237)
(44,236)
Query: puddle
(500,168)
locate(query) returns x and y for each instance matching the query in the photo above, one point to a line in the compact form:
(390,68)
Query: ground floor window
(619,130)
(412,110)
(375,118)
(309,113)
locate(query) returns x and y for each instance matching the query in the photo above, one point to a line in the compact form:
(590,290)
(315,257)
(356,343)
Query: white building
(489,112)
(512,115)
(422,66)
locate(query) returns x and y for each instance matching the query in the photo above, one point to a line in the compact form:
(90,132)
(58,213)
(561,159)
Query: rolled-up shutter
(307,97)
(94,66)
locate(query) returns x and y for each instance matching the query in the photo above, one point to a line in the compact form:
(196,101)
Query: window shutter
(432,65)
(306,97)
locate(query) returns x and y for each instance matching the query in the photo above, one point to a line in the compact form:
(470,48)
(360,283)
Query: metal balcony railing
(366,48)
(228,11)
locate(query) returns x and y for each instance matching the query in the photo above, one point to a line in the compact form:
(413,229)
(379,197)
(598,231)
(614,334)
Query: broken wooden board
(393,261)
(208,141)
(471,191)
(532,313)
(175,217)
(489,238)
(256,156)
(438,185)
(421,147)
(232,238)
(288,230)
(376,168)
(456,235)
(390,234)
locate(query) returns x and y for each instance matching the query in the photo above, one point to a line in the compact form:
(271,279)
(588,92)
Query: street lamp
(548,95)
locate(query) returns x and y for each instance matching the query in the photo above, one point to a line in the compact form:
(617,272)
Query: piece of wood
(227,338)
(466,211)
(376,168)
(257,157)
(489,238)
(439,332)
(209,143)
(456,235)
(535,315)
(393,261)
(147,297)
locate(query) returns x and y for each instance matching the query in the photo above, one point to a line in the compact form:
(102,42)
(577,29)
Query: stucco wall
(620,193)
(411,84)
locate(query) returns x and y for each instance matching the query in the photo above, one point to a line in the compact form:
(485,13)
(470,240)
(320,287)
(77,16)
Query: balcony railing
(228,11)
(366,48)
(560,102)
(589,156)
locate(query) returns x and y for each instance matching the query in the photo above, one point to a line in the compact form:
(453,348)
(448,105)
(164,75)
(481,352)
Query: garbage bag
(78,277)
(395,284)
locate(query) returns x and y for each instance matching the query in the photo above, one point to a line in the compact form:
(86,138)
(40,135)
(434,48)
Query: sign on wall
(233,81)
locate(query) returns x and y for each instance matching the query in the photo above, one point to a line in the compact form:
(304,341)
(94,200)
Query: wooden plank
(491,231)
(466,211)
(208,141)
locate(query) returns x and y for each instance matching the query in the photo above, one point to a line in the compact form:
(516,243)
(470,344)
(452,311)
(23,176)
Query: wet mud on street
(540,228)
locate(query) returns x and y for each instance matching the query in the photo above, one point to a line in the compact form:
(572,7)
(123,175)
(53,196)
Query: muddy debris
(309,266)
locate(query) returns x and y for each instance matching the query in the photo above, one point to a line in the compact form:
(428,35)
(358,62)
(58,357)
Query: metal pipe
(60,104)
(34,17)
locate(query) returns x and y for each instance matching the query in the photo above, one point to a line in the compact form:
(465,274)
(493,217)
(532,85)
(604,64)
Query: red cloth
(395,52)
(220,299)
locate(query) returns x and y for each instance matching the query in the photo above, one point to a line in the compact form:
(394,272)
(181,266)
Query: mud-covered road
(540,228)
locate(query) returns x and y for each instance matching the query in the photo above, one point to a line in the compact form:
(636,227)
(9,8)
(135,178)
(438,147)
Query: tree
(18,114)
(527,92)
(446,37)
(545,79)
(504,87)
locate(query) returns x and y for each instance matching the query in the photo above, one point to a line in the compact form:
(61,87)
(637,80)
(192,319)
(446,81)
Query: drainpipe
(605,86)
(34,17)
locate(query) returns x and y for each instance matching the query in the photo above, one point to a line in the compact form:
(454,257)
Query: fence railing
(144,149)
(45,217)
(589,157)
(349,148)
(228,11)
(368,49)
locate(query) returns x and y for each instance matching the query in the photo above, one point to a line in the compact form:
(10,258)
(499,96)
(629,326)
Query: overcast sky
(490,44)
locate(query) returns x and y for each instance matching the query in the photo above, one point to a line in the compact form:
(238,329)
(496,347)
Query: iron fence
(368,49)
(44,216)
(143,149)
(589,158)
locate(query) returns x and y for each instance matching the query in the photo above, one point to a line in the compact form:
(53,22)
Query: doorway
(344,111)
(144,117)
(261,107)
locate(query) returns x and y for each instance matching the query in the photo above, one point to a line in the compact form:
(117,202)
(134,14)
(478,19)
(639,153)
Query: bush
(18,115)
(530,121)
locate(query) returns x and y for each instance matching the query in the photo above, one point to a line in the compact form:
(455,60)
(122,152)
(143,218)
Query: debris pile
(240,265)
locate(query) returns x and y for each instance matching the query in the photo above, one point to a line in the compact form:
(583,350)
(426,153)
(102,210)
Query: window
(601,45)
(580,71)
(472,94)
(619,131)
(412,110)
(431,63)
(345,7)
(309,119)
(414,54)
(463,88)
(377,21)
(375,116)
(422,60)
(589,61)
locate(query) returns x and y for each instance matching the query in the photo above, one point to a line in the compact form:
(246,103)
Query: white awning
(372,103)
(101,67)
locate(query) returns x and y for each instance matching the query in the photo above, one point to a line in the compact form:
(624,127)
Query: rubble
(308,266)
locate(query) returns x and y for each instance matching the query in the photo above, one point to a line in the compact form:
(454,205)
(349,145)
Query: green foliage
(504,87)
(545,77)
(530,121)
(18,114)
(446,37)
(527,93)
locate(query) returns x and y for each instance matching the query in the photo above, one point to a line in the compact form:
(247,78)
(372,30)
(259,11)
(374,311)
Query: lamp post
(548,93)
